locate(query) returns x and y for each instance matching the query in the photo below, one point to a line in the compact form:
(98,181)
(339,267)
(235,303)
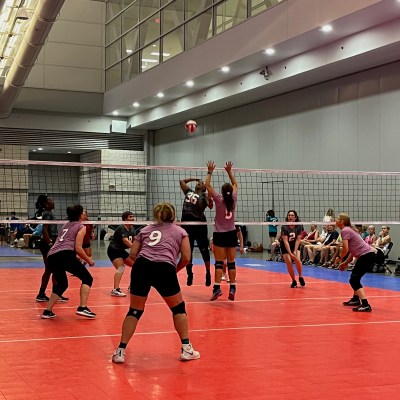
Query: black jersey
(120,233)
(291,232)
(194,206)
(52,228)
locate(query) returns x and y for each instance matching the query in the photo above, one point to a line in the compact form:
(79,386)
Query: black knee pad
(219,265)
(134,313)
(179,309)
(231,265)
(355,283)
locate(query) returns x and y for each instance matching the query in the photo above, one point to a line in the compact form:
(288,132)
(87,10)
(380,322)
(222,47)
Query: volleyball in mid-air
(191,127)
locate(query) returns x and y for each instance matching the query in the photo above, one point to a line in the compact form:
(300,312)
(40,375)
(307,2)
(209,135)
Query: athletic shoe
(119,356)
(223,277)
(232,292)
(208,278)
(362,308)
(47,314)
(189,281)
(117,293)
(294,284)
(216,293)
(301,280)
(41,298)
(189,353)
(352,302)
(85,312)
(63,299)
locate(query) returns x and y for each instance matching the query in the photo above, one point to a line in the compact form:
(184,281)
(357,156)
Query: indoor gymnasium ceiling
(155,113)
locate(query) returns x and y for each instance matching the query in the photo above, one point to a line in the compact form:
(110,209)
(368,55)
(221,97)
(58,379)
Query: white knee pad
(121,270)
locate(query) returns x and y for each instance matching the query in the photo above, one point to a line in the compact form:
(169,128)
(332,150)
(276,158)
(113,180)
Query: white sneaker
(189,353)
(117,293)
(119,356)
(223,277)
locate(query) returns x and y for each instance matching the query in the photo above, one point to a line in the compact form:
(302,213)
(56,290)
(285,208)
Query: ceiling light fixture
(40,148)
(136,104)
(69,152)
(189,83)
(225,69)
(160,95)
(270,51)
(115,112)
(326,28)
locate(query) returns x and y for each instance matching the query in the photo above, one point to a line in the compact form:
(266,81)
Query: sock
(232,286)
(122,345)
(216,286)
(364,302)
(185,341)
(355,297)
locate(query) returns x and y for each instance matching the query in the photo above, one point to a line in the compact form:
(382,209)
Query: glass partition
(140,34)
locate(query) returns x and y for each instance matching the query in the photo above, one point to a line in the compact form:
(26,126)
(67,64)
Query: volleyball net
(106,191)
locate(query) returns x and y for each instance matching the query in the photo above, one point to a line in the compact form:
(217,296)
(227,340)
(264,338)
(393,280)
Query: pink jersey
(161,242)
(357,246)
(224,222)
(66,237)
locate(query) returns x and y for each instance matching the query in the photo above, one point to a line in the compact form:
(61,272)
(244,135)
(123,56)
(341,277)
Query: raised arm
(210,170)
(228,169)
(183,183)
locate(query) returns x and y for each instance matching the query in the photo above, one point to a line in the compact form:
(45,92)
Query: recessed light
(40,148)
(326,28)
(189,83)
(115,112)
(160,95)
(129,51)
(34,151)
(225,69)
(270,51)
(135,104)
(69,152)
(156,53)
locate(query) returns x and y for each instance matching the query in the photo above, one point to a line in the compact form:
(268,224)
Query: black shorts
(273,234)
(283,247)
(86,245)
(198,233)
(225,239)
(159,275)
(363,265)
(115,253)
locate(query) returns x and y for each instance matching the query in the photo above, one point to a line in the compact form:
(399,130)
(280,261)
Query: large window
(140,34)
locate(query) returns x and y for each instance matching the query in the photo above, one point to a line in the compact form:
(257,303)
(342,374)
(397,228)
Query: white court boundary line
(242,328)
(62,306)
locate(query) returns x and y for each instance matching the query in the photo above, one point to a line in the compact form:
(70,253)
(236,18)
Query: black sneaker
(232,292)
(362,308)
(63,299)
(85,312)
(294,284)
(352,302)
(47,314)
(41,298)
(189,281)
(215,294)
(301,280)
(208,278)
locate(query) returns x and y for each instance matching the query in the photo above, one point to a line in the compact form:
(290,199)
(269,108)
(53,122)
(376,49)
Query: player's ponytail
(227,194)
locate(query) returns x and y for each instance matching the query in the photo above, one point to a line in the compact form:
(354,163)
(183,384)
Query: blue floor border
(379,281)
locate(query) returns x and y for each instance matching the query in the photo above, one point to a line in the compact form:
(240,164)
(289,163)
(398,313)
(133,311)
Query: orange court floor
(272,342)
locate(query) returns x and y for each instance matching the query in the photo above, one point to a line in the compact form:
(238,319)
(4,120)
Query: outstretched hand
(228,166)
(210,166)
